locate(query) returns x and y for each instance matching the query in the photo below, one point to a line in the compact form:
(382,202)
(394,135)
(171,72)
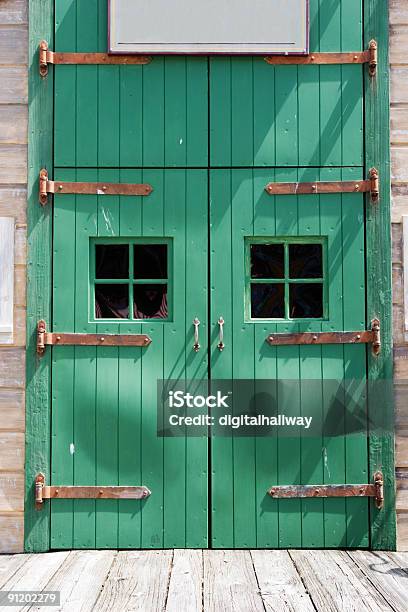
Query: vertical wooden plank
(220,112)
(267,458)
(288,369)
(131,115)
(286,111)
(107,375)
(86,94)
(174,344)
(152,370)
(175,111)
(355,369)
(330,86)
(242,344)
(333,363)
(311,392)
(153,113)
(65,120)
(264,113)
(242,111)
(378,245)
(84,421)
(63,360)
(129,389)
(222,448)
(41,25)
(197,74)
(196,266)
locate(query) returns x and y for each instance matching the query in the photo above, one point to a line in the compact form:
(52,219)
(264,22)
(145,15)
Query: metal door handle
(196,324)
(221,345)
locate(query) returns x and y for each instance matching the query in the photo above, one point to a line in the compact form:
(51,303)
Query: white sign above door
(210,27)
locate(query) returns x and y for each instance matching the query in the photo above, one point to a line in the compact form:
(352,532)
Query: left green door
(104,423)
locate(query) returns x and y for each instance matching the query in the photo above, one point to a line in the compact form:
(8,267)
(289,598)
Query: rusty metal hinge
(125,189)
(45,339)
(370,57)
(371,336)
(47,57)
(43,492)
(371,186)
(375,490)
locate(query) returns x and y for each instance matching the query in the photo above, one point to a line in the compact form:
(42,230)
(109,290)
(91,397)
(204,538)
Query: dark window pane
(112,261)
(267,261)
(150,261)
(267,301)
(305,261)
(112,301)
(306,301)
(150,302)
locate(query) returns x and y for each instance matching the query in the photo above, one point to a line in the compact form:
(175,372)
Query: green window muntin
(128,280)
(284,291)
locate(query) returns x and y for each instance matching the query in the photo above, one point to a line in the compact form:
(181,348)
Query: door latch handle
(196,346)
(221,345)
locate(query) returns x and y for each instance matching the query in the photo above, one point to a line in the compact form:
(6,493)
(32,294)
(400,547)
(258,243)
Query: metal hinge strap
(47,57)
(370,186)
(370,57)
(375,490)
(43,492)
(45,339)
(125,189)
(354,337)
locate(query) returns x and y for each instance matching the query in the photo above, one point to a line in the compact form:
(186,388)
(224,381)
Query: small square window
(112,261)
(150,261)
(111,301)
(286,279)
(150,301)
(306,301)
(305,261)
(267,261)
(267,301)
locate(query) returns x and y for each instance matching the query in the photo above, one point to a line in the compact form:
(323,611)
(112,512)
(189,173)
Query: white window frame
(7,228)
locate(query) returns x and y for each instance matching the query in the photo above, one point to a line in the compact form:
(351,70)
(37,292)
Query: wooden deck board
(335,582)
(280,585)
(138,581)
(80,579)
(230,582)
(386,576)
(214,580)
(186,581)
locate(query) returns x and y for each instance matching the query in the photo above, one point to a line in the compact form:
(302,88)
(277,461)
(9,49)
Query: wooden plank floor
(213,580)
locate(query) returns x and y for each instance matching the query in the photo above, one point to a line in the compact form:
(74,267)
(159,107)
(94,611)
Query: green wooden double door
(209,242)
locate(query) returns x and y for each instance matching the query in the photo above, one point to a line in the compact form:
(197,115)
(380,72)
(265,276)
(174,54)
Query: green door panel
(243,515)
(104,417)
(263,115)
(111,116)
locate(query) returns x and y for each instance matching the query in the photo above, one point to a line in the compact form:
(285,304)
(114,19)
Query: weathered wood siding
(13,197)
(399,152)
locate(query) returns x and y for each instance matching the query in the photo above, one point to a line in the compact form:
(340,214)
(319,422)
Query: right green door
(288,264)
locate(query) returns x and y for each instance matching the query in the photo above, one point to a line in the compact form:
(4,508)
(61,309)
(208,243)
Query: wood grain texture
(11,451)
(12,409)
(185,591)
(386,577)
(41,20)
(9,564)
(280,585)
(13,201)
(13,12)
(333,589)
(13,164)
(12,371)
(11,491)
(13,45)
(137,581)
(14,85)
(378,245)
(80,579)
(231,581)
(11,533)
(13,124)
